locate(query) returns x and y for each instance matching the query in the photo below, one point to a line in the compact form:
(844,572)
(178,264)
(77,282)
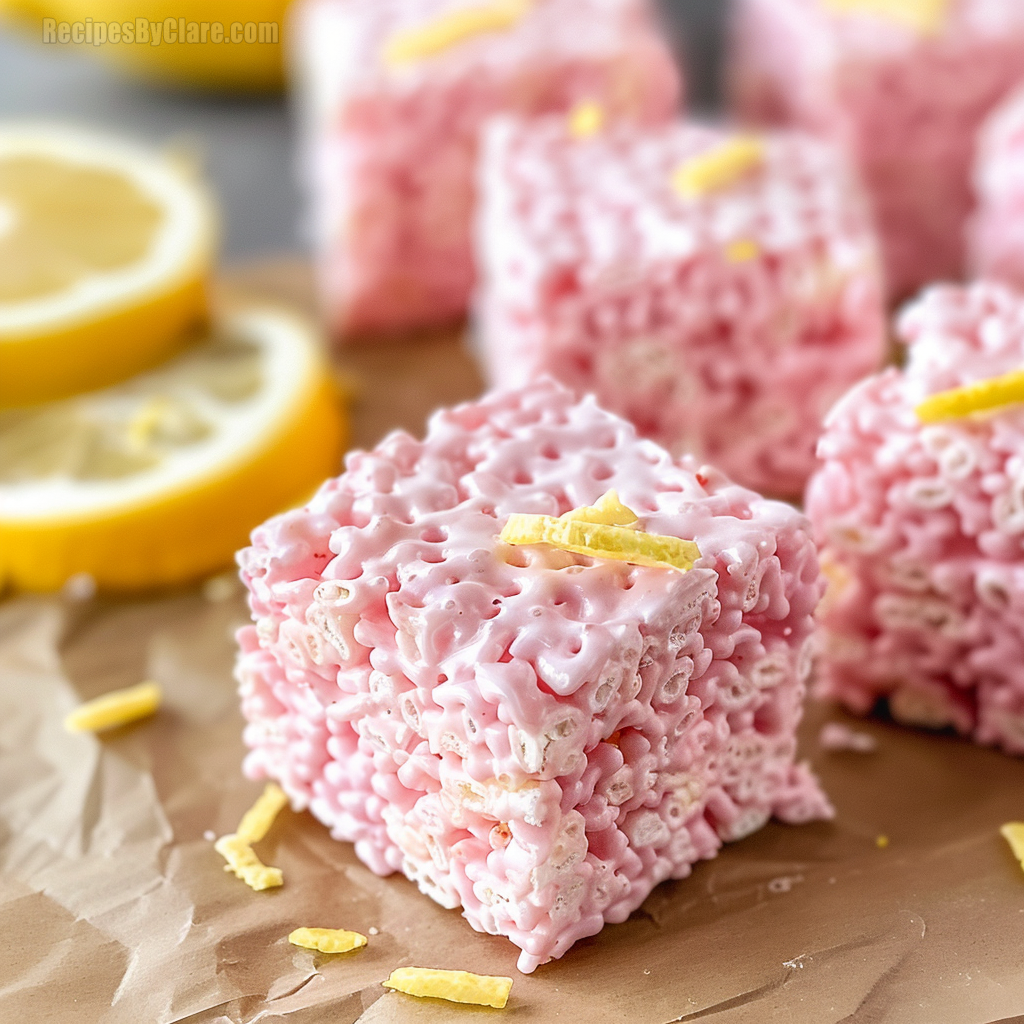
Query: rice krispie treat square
(919,509)
(393,94)
(537,735)
(905,85)
(718,290)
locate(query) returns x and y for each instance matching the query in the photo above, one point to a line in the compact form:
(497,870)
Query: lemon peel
(927,17)
(244,864)
(602,531)
(115,709)
(453,28)
(237,850)
(327,940)
(719,167)
(983,396)
(1013,833)
(586,120)
(256,821)
(607,509)
(455,986)
(743,250)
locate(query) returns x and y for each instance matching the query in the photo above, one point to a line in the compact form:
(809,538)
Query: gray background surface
(245,144)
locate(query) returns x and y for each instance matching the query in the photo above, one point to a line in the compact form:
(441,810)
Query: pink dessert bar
(905,84)
(719,291)
(922,529)
(997,231)
(395,94)
(537,736)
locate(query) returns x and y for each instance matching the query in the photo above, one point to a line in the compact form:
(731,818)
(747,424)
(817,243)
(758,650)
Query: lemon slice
(105,249)
(157,480)
(983,396)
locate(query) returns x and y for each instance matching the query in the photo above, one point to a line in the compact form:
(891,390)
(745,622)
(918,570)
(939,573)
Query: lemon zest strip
(982,396)
(242,860)
(455,986)
(453,28)
(586,120)
(1013,833)
(607,509)
(237,850)
(327,940)
(603,530)
(256,821)
(928,17)
(719,167)
(114,709)
(743,250)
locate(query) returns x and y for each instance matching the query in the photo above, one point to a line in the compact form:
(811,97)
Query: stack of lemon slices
(141,438)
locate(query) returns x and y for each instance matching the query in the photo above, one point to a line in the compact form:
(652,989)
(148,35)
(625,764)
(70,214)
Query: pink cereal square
(722,324)
(905,87)
(390,148)
(535,736)
(921,526)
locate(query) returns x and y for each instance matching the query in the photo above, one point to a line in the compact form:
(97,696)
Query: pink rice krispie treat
(537,736)
(921,522)
(719,291)
(997,230)
(906,85)
(395,92)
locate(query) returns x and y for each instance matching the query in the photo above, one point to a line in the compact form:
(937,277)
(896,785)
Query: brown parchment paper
(114,906)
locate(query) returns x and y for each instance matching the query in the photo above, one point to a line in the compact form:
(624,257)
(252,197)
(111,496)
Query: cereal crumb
(218,589)
(836,736)
(80,587)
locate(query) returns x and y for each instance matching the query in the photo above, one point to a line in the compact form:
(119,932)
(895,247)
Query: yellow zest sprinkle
(586,120)
(242,860)
(455,986)
(720,167)
(608,510)
(1013,833)
(928,17)
(256,821)
(114,709)
(882,842)
(327,940)
(453,28)
(602,541)
(837,578)
(743,250)
(983,396)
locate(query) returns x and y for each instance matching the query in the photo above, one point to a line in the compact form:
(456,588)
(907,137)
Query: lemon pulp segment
(61,223)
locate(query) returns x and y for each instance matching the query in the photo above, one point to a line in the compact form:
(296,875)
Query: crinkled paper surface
(115,907)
